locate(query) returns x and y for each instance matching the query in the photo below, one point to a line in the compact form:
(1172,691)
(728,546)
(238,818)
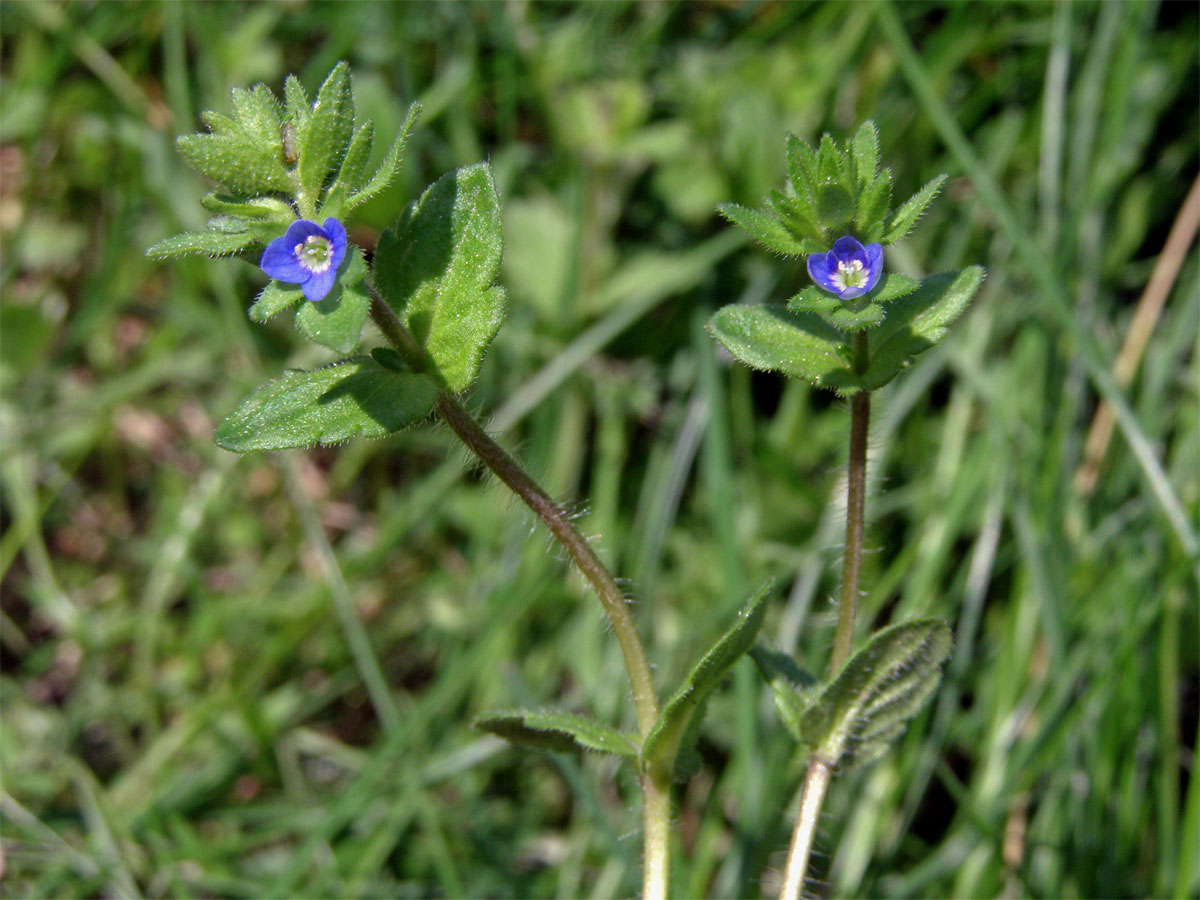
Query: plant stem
(656,794)
(820,771)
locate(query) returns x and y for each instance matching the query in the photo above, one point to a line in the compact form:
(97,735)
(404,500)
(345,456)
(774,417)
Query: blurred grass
(251,677)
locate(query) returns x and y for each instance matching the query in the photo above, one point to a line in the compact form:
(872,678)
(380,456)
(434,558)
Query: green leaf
(203,243)
(917,321)
(873,205)
(322,140)
(802,166)
(296,102)
(864,150)
(389,359)
(800,217)
(663,743)
(242,154)
(390,166)
(336,321)
(833,165)
(892,286)
(556,731)
(835,204)
(353,397)
(869,702)
(270,208)
(257,111)
(354,163)
(775,339)
(906,216)
(273,299)
(435,265)
(765,229)
(792,686)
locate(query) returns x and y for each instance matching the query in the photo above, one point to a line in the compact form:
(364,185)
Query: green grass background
(253,677)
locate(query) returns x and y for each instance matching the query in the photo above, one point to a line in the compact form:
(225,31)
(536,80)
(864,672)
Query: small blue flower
(308,254)
(849,269)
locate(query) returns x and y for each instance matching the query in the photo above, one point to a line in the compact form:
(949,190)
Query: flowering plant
(284,167)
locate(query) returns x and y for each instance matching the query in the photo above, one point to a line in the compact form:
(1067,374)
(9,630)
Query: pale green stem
(820,772)
(656,795)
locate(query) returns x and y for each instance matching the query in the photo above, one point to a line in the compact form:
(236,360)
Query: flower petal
(874,265)
(280,262)
(319,284)
(847,249)
(336,232)
(821,267)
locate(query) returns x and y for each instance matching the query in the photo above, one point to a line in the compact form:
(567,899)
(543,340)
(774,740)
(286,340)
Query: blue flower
(849,269)
(308,254)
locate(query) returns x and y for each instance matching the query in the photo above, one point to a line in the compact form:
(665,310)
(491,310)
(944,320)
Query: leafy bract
(906,216)
(675,721)
(237,152)
(866,706)
(766,229)
(353,397)
(323,135)
(202,243)
(556,731)
(337,320)
(775,339)
(388,168)
(435,268)
(274,298)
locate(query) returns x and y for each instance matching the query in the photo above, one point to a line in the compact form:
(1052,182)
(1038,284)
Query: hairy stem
(656,796)
(820,771)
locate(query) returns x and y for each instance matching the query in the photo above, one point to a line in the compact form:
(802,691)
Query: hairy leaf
(556,731)
(354,163)
(242,153)
(662,746)
(435,268)
(906,216)
(765,229)
(873,205)
(270,208)
(203,243)
(845,315)
(273,299)
(390,166)
(775,339)
(864,150)
(869,702)
(336,321)
(800,217)
(322,139)
(791,686)
(801,165)
(917,321)
(354,397)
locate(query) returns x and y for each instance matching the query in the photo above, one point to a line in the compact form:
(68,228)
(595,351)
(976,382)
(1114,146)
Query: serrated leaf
(873,205)
(792,686)
(237,154)
(869,702)
(765,229)
(906,216)
(354,397)
(802,166)
(775,339)
(917,321)
(435,267)
(864,150)
(389,167)
(274,299)
(556,731)
(202,243)
(336,321)
(354,163)
(322,140)
(800,217)
(257,112)
(662,744)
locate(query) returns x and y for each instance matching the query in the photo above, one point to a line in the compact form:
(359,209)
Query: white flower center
(848,275)
(314,254)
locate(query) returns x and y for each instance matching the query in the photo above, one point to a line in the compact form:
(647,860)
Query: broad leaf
(435,267)
(390,166)
(322,139)
(354,397)
(556,731)
(906,216)
(663,743)
(775,339)
(869,702)
(917,321)
(337,320)
(765,229)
